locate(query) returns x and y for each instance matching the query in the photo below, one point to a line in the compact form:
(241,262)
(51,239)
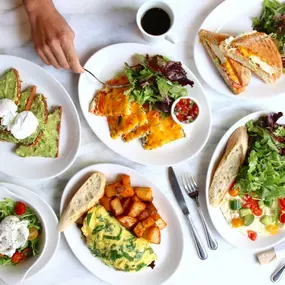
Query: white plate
(233,17)
(105,64)
(51,221)
(229,234)
(32,74)
(169,252)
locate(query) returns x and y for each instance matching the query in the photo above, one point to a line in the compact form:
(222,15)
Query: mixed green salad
(18,211)
(156,81)
(272,21)
(260,184)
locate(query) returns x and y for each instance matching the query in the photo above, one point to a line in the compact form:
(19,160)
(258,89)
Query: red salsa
(186,110)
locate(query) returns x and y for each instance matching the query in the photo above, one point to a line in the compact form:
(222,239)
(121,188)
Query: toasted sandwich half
(258,52)
(235,75)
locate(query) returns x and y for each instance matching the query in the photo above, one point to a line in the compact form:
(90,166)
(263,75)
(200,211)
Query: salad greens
(156,81)
(7,208)
(263,174)
(272,21)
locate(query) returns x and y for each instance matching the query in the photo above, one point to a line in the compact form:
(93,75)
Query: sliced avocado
(266,220)
(10,85)
(244,212)
(49,141)
(248,219)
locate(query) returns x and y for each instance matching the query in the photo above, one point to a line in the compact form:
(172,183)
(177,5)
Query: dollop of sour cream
(23,125)
(8,111)
(13,235)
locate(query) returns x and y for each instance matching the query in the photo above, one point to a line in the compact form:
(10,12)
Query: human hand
(52,36)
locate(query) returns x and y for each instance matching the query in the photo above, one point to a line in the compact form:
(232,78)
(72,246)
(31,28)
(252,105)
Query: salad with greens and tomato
(255,203)
(20,230)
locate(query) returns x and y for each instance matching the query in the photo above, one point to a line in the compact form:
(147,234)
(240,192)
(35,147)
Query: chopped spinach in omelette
(113,244)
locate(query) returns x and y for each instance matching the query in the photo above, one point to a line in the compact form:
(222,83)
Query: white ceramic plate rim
(121,169)
(74,110)
(225,5)
(213,211)
(133,157)
(48,252)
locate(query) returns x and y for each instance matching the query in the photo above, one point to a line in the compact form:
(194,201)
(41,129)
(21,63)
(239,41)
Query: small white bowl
(173,107)
(10,274)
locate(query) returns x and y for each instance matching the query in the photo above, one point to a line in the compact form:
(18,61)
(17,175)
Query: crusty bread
(261,45)
(210,39)
(229,165)
(85,198)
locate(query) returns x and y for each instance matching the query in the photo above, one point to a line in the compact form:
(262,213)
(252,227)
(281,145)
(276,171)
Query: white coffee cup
(156,4)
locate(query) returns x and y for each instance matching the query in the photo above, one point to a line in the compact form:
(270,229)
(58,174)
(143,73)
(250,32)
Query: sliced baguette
(85,198)
(229,166)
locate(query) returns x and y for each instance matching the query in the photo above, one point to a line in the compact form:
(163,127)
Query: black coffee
(156,21)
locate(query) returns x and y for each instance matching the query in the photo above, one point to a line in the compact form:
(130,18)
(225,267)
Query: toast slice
(234,74)
(24,104)
(10,85)
(256,51)
(47,143)
(85,198)
(229,165)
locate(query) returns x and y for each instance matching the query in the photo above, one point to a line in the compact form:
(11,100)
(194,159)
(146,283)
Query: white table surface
(96,25)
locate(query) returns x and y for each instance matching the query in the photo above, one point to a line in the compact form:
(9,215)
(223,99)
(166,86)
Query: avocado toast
(35,105)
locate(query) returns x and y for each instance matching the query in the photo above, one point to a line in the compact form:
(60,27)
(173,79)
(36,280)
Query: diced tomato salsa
(186,110)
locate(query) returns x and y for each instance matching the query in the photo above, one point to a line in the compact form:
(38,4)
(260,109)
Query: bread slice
(256,51)
(234,74)
(47,143)
(229,166)
(84,199)
(10,85)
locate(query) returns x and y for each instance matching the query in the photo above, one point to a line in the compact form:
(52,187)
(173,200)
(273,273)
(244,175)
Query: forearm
(33,5)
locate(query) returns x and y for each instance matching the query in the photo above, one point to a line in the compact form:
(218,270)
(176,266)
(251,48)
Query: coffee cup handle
(171,38)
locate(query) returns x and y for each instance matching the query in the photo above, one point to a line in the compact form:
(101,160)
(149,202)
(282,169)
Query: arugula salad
(257,197)
(272,21)
(156,81)
(20,230)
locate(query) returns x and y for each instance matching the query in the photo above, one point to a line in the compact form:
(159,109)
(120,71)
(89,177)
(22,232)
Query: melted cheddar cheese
(230,71)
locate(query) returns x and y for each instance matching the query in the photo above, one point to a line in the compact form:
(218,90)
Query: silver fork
(191,188)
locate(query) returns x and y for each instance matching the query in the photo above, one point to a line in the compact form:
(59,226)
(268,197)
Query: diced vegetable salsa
(186,110)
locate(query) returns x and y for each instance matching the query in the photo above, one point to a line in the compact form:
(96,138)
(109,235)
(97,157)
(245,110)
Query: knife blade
(202,253)
(177,191)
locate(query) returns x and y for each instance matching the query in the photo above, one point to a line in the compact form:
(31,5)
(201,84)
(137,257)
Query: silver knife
(182,204)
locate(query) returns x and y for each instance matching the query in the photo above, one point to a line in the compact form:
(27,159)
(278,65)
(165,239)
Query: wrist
(37,5)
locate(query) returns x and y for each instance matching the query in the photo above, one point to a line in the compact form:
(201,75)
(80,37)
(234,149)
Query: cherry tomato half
(237,222)
(234,192)
(282,203)
(282,218)
(17,257)
(20,208)
(273,229)
(27,252)
(252,235)
(257,211)
(33,233)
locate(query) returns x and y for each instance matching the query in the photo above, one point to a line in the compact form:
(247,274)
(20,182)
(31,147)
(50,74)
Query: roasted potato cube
(136,208)
(152,234)
(159,221)
(144,193)
(125,191)
(111,189)
(117,206)
(151,209)
(139,230)
(126,204)
(143,215)
(150,221)
(136,198)
(126,180)
(105,202)
(127,221)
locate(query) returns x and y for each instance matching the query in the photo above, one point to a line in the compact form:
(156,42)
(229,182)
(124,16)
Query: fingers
(59,55)
(50,56)
(42,56)
(71,56)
